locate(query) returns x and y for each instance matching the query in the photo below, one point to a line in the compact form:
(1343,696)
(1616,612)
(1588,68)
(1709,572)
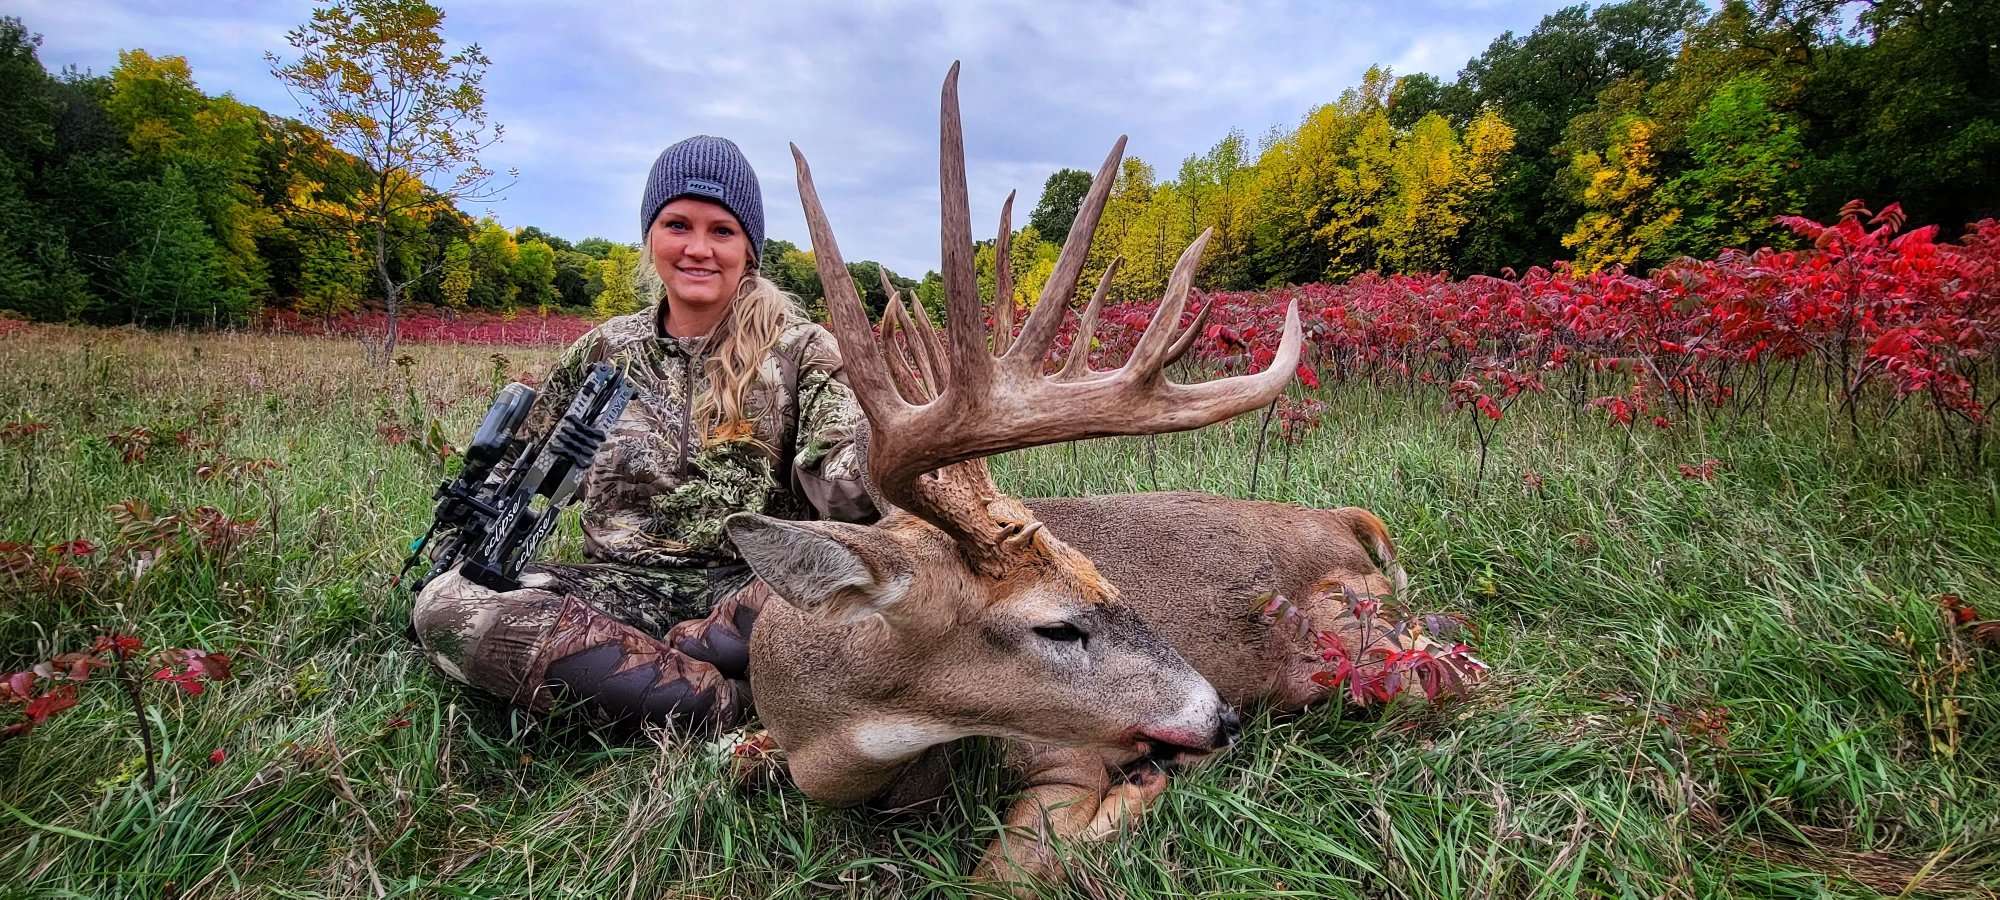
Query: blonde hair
(758,315)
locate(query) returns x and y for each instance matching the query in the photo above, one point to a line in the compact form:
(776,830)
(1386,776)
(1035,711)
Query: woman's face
(700,251)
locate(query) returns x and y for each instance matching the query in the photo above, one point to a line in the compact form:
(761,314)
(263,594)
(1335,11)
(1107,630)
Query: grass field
(1733,687)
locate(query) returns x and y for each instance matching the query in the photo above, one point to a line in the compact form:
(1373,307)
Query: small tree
(372,75)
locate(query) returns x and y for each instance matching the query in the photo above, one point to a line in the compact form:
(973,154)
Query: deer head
(959,614)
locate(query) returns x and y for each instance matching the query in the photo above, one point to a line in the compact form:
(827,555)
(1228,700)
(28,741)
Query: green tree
(212,142)
(531,233)
(573,281)
(333,274)
(374,77)
(595,247)
(494,255)
(168,270)
(534,273)
(868,280)
(792,270)
(1414,97)
(1062,194)
(1539,82)
(1912,115)
(38,276)
(1745,155)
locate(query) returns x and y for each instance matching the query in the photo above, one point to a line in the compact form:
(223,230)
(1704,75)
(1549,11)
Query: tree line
(133,197)
(1627,134)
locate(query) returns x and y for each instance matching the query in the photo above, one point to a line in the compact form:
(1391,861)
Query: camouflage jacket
(657,493)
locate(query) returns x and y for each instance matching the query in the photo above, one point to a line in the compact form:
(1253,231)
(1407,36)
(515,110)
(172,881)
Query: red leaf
(122,645)
(41,708)
(213,665)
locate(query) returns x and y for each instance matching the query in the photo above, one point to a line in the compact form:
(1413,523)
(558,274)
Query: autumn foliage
(1875,315)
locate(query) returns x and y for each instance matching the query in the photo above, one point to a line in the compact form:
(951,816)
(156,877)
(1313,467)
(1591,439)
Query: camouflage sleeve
(831,462)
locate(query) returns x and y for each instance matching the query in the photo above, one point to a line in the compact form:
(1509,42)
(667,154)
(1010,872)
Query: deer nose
(1228,728)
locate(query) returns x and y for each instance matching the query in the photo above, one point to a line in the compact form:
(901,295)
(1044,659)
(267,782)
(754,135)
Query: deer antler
(986,402)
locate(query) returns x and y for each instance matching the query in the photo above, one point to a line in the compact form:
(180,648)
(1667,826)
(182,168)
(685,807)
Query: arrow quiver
(493,517)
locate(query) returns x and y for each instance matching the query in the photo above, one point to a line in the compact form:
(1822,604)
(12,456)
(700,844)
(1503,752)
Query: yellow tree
(1159,230)
(1624,216)
(456,281)
(1439,178)
(1229,181)
(494,257)
(1364,184)
(1275,220)
(374,76)
(1130,192)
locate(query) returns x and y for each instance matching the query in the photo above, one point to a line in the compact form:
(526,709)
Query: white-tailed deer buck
(1098,633)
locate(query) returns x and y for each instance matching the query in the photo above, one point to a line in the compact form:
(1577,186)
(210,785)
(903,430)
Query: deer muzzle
(1203,725)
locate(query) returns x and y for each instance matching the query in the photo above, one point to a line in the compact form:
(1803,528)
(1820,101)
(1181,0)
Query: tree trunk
(388,290)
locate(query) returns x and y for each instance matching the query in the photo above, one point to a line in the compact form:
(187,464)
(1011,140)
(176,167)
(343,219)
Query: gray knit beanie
(709,168)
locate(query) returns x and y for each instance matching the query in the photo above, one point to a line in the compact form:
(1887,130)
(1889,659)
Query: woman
(737,406)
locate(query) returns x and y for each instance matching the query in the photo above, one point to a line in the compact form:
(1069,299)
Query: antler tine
(1040,329)
(894,352)
(888,287)
(908,367)
(1199,404)
(936,362)
(918,384)
(867,368)
(1078,366)
(971,362)
(1186,340)
(1003,280)
(1151,354)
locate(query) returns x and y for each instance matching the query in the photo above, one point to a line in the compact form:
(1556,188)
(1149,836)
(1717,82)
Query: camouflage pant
(630,643)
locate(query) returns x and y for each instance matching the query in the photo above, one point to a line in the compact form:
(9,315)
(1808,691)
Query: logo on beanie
(704,187)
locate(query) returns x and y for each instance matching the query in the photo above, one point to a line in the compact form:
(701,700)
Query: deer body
(1194,564)
(857,706)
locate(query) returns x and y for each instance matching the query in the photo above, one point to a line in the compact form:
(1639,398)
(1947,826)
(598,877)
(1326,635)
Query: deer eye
(1062,632)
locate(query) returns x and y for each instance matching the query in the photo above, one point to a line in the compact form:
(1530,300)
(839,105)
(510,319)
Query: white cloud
(591,93)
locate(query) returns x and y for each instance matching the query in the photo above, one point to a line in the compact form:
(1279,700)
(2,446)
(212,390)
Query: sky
(590,94)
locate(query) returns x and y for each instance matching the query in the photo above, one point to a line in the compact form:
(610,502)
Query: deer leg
(1126,801)
(1066,789)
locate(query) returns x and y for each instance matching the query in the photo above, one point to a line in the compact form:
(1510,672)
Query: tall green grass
(1619,603)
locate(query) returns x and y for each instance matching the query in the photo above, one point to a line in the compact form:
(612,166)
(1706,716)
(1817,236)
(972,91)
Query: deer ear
(844,573)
